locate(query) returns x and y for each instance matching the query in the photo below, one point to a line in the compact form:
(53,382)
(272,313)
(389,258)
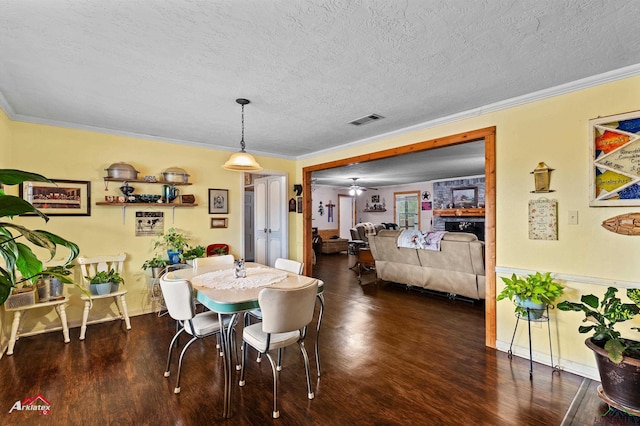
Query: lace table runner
(224,279)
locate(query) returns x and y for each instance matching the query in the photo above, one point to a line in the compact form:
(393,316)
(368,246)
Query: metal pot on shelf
(175,175)
(122,171)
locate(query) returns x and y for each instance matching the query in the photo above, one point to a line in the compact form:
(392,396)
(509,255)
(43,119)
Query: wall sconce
(542,178)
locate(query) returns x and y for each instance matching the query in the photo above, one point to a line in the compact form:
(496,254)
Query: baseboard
(544,358)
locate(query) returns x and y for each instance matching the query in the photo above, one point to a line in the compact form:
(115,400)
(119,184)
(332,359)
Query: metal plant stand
(529,320)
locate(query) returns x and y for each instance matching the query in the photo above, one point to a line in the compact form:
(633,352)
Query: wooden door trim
(489,136)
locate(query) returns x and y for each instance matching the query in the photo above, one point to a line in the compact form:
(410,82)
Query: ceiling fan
(356,189)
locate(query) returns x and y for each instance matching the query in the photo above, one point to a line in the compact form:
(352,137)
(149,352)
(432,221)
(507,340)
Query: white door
(345,215)
(271,219)
(249,252)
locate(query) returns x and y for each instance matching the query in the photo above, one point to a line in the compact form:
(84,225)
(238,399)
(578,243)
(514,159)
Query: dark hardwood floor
(389,357)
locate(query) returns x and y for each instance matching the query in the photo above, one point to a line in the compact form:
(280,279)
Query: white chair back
(89,266)
(286,309)
(289,265)
(178,298)
(202,262)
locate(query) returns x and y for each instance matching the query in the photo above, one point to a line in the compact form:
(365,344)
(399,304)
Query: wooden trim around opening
(489,136)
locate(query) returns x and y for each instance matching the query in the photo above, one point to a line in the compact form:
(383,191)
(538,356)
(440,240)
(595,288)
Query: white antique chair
(285,316)
(178,296)
(89,266)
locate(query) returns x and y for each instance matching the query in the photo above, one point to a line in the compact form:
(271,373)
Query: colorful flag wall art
(615,167)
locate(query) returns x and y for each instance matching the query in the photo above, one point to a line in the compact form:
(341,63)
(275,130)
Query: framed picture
(615,160)
(464,197)
(219,222)
(426,205)
(218,201)
(375,199)
(299,204)
(59,198)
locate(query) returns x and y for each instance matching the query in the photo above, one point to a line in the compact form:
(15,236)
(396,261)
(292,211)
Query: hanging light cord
(242,140)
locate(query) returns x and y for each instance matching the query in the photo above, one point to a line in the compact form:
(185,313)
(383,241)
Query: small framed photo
(464,197)
(58,198)
(299,204)
(218,201)
(219,222)
(375,199)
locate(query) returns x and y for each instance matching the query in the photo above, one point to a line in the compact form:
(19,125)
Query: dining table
(219,290)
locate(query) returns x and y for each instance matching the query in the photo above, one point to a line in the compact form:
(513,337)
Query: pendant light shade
(242,161)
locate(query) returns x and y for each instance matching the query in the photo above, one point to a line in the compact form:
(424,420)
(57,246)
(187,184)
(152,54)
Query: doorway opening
(406,210)
(489,136)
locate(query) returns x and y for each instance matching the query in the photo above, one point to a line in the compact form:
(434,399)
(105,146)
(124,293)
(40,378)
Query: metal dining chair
(178,296)
(286,313)
(288,265)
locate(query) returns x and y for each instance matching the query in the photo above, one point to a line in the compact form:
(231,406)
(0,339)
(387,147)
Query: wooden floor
(390,357)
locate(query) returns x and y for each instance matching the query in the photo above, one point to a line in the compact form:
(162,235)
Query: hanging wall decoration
(624,224)
(330,207)
(149,223)
(543,219)
(615,160)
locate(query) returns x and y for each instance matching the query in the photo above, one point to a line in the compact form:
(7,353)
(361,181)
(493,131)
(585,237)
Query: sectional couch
(457,269)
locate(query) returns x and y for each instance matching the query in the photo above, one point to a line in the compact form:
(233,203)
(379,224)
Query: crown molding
(596,80)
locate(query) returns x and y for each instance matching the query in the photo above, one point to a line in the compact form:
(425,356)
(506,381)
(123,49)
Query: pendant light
(242,161)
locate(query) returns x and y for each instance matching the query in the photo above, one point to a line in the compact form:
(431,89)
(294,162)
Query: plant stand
(529,320)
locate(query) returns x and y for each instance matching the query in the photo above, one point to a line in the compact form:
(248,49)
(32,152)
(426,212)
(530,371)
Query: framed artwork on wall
(464,197)
(58,198)
(221,222)
(615,160)
(218,201)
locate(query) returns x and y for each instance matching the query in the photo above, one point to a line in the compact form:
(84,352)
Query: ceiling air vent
(366,119)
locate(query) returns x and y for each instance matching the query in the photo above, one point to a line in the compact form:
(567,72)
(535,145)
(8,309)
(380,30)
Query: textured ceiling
(172,69)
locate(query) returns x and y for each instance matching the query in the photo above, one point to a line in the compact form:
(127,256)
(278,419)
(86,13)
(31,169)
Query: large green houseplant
(618,358)
(533,292)
(21,264)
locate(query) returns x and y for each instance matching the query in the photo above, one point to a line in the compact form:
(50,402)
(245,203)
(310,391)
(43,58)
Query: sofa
(457,268)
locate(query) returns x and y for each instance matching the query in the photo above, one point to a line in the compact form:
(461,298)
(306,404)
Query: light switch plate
(573,217)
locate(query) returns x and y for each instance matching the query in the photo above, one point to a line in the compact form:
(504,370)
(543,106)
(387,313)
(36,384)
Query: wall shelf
(474,212)
(374,210)
(104,203)
(162,182)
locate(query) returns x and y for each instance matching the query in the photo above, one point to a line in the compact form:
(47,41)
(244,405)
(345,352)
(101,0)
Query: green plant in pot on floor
(618,358)
(533,292)
(174,241)
(105,282)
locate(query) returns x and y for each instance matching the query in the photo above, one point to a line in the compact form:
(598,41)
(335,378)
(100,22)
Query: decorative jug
(169,193)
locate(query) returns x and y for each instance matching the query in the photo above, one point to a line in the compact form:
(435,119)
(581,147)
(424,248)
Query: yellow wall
(61,153)
(555,131)
(5,139)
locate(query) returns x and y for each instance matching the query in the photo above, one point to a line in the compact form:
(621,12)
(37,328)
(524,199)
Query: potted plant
(618,358)
(174,241)
(105,282)
(531,294)
(58,275)
(18,256)
(193,253)
(156,264)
